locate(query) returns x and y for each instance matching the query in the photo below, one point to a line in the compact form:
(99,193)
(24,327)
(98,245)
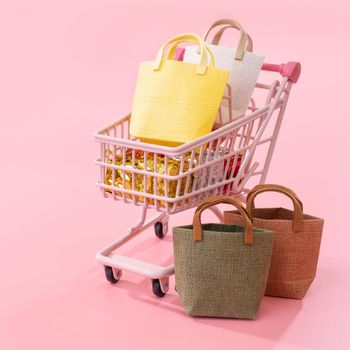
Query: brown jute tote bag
(296,246)
(221,270)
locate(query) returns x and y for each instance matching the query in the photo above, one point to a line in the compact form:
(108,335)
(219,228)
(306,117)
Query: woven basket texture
(295,254)
(221,276)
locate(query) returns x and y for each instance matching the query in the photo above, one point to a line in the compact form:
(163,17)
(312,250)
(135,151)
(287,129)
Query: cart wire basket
(228,161)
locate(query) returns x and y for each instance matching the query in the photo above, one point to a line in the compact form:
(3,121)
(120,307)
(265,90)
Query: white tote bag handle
(218,35)
(245,42)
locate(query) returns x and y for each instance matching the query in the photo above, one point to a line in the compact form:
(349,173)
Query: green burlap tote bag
(221,270)
(296,245)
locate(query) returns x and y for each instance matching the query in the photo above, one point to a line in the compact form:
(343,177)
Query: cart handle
(291,70)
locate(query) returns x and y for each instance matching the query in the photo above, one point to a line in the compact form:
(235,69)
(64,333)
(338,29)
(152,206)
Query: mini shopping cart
(223,162)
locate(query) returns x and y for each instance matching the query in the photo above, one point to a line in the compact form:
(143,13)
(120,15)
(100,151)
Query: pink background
(68,67)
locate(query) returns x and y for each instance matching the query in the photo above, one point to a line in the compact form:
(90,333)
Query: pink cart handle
(291,70)
(179,53)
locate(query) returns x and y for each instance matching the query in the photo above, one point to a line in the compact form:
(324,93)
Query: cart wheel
(157,290)
(158,229)
(110,275)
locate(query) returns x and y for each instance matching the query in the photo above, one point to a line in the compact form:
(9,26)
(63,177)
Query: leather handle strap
(187,37)
(214,200)
(218,35)
(298,224)
(242,39)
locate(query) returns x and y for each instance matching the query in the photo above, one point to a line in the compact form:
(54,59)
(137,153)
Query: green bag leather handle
(214,200)
(242,43)
(298,224)
(187,37)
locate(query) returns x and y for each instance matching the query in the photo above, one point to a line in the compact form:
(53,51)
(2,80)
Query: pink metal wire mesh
(173,179)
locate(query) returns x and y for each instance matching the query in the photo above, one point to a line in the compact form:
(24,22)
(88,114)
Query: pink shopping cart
(227,161)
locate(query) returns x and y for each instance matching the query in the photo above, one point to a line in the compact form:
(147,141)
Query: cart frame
(238,137)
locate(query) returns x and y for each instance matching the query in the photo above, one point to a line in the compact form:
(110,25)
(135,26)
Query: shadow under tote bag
(296,242)
(244,66)
(221,270)
(176,102)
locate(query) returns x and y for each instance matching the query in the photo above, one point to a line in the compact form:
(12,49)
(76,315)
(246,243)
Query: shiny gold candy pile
(154,184)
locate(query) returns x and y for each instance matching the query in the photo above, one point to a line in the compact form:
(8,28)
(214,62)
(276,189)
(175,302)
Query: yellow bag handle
(243,37)
(187,37)
(171,52)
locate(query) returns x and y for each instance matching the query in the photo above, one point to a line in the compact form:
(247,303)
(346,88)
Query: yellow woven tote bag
(176,102)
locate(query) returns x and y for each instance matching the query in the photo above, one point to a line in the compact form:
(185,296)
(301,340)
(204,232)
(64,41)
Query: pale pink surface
(69,67)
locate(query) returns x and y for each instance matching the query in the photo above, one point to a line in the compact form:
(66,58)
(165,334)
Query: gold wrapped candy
(154,184)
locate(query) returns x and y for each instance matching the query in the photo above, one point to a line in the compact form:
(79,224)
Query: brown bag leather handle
(242,39)
(197,224)
(216,39)
(298,224)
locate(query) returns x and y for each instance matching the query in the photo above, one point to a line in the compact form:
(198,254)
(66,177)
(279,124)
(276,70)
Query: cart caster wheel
(110,275)
(157,290)
(158,230)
